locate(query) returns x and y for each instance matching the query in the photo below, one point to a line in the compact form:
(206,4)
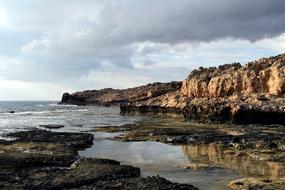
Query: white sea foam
(40,105)
(61,105)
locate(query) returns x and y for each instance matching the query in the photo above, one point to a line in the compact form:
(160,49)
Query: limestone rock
(111,96)
(257,184)
(253,93)
(262,76)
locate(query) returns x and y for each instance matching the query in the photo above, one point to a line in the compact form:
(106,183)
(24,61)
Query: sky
(48,47)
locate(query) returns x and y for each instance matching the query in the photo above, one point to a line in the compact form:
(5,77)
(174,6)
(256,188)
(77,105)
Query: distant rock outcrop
(109,96)
(253,93)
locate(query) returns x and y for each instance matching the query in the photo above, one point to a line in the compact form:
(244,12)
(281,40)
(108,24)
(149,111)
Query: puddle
(155,158)
(212,154)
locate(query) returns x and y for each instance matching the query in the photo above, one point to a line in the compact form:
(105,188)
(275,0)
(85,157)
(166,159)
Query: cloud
(187,21)
(132,42)
(18,90)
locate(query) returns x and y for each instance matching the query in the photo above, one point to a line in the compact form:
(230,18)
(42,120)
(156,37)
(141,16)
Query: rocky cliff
(265,76)
(111,96)
(253,93)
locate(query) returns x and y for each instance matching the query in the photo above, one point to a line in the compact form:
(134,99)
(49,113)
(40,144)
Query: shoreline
(256,150)
(218,144)
(40,159)
(231,93)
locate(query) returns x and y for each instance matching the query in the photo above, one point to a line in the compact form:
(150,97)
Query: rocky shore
(231,93)
(255,151)
(116,97)
(245,106)
(40,159)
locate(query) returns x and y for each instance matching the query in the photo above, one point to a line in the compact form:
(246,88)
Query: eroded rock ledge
(254,151)
(253,93)
(109,96)
(40,159)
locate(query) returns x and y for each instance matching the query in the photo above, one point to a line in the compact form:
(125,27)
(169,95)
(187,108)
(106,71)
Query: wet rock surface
(255,151)
(252,97)
(52,126)
(148,183)
(236,110)
(257,184)
(197,166)
(256,141)
(69,139)
(17,155)
(40,159)
(84,172)
(38,148)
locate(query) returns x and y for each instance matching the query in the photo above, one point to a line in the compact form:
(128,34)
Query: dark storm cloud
(169,21)
(80,36)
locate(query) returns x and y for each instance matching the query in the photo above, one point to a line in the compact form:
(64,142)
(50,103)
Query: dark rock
(87,172)
(148,183)
(40,159)
(65,97)
(38,148)
(18,155)
(225,111)
(79,140)
(256,142)
(52,126)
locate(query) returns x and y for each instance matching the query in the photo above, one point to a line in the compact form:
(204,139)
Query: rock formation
(265,76)
(40,159)
(109,96)
(253,93)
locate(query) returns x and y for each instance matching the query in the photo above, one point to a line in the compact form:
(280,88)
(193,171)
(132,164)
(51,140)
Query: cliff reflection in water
(214,154)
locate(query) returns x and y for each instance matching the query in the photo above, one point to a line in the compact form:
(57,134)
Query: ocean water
(152,157)
(75,118)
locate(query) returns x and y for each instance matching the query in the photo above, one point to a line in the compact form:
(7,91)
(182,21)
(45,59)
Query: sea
(24,115)
(153,158)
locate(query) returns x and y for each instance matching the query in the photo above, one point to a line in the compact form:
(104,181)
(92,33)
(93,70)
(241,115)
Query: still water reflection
(156,158)
(215,155)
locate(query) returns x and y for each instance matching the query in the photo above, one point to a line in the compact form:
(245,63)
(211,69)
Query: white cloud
(36,46)
(4,21)
(75,45)
(18,90)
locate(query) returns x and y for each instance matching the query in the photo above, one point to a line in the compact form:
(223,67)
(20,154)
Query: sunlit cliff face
(217,155)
